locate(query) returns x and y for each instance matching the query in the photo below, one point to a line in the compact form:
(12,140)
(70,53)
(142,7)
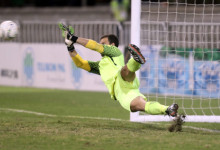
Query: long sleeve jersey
(108,67)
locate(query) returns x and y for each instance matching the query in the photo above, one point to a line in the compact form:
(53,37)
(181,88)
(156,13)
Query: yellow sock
(155,108)
(133,65)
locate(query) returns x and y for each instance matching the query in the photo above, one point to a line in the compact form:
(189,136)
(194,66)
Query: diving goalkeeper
(119,78)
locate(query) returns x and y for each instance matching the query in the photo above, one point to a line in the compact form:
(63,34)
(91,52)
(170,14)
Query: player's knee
(138,104)
(136,107)
(125,70)
(127,75)
(133,108)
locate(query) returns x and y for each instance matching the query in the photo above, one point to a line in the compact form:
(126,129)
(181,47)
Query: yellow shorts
(126,91)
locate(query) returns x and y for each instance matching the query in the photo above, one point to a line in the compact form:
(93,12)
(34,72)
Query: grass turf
(19,130)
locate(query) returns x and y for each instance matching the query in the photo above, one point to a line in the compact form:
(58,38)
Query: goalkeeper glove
(70,46)
(68,32)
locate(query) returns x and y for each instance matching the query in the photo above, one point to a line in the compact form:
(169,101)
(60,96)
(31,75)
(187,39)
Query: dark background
(79,3)
(46,3)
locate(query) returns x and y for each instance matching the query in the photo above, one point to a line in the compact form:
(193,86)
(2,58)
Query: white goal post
(182,44)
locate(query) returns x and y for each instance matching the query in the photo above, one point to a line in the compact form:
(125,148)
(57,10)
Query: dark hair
(112,39)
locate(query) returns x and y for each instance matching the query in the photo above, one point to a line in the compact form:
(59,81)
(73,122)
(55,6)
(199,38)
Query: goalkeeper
(119,78)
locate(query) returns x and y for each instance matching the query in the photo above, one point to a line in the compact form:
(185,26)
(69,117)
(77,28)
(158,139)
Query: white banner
(10,66)
(46,66)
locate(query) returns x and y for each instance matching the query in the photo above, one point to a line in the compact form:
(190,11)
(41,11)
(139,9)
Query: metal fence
(170,34)
(49,32)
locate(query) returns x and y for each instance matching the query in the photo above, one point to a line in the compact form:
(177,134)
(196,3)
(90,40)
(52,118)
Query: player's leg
(127,75)
(128,71)
(153,108)
(130,98)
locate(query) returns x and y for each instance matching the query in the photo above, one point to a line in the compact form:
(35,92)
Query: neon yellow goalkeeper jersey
(109,66)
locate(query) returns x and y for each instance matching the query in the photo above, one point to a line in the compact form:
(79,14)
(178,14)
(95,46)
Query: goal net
(181,39)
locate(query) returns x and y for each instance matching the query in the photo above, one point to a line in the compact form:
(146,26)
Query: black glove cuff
(74,38)
(71,48)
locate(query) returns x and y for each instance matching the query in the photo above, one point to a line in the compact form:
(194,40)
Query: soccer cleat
(136,53)
(172,110)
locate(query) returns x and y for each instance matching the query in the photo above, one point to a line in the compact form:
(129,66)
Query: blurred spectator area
(56,10)
(60,3)
(47,3)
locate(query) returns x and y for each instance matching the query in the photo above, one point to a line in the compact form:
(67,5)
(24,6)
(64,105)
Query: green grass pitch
(47,119)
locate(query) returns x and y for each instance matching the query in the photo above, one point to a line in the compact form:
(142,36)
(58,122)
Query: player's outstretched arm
(90,66)
(82,41)
(70,39)
(68,32)
(77,59)
(90,44)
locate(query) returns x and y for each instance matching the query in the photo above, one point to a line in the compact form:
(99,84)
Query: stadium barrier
(49,32)
(169,34)
(173,75)
(36,58)
(46,66)
(44,37)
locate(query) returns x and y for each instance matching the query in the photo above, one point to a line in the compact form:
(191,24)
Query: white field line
(94,118)
(50,115)
(202,129)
